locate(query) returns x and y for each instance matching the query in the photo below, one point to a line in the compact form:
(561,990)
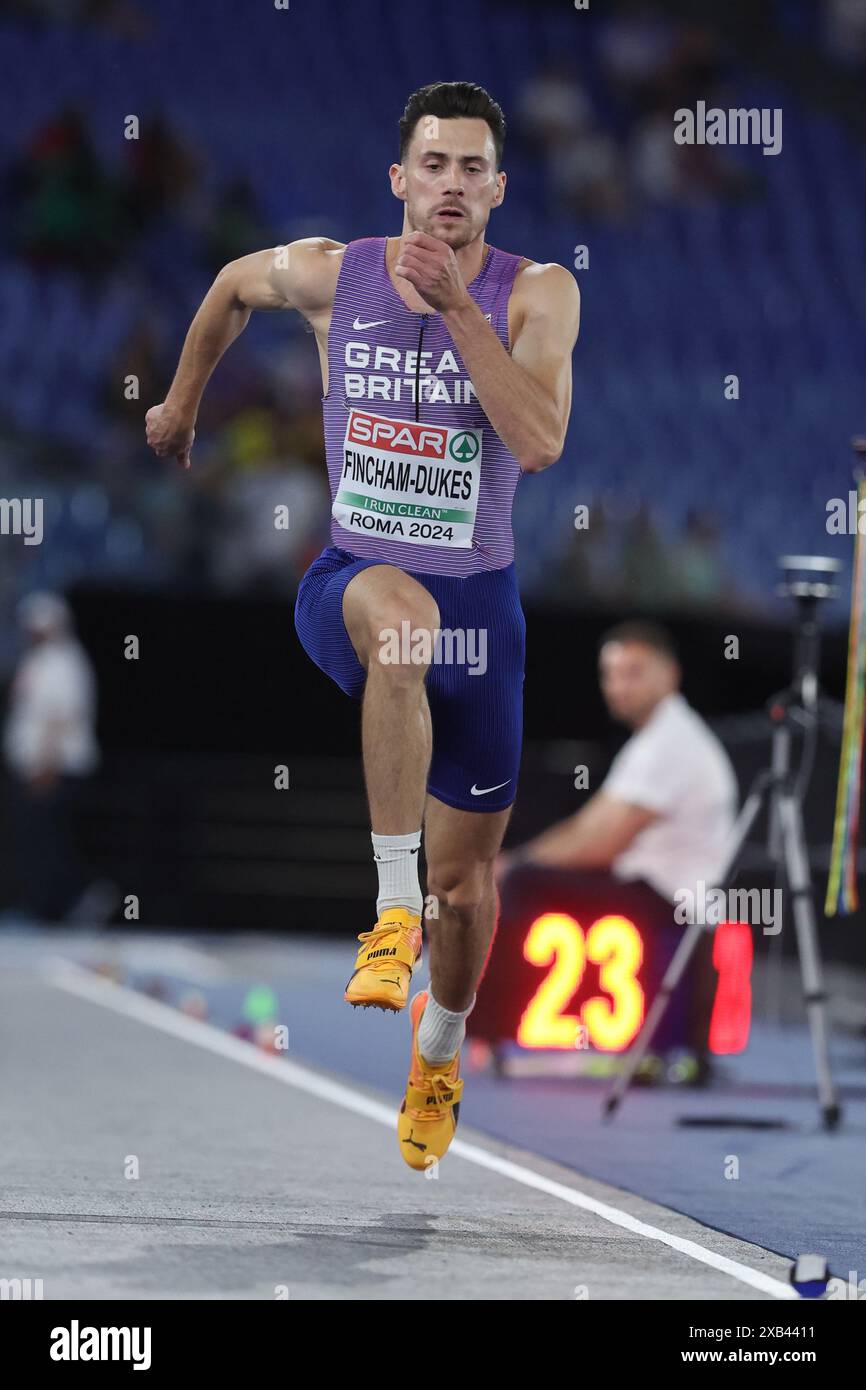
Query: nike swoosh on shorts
(482,791)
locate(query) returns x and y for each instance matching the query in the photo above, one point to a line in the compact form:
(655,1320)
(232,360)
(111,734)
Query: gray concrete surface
(245,1186)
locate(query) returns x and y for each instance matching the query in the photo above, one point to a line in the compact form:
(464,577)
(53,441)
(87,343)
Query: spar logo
(398,436)
(463,447)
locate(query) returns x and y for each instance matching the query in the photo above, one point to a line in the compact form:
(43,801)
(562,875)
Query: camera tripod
(781,790)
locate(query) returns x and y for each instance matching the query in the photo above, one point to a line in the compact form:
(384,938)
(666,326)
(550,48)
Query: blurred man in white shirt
(49,746)
(664,813)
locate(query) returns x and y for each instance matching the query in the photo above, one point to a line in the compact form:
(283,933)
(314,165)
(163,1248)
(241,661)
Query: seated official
(662,818)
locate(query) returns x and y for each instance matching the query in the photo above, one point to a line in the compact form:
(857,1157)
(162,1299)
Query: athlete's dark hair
(449,100)
(647,633)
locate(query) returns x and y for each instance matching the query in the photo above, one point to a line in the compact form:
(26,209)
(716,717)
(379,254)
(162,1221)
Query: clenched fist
(168,432)
(431,266)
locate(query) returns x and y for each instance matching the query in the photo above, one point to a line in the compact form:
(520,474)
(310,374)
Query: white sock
(397,861)
(441,1033)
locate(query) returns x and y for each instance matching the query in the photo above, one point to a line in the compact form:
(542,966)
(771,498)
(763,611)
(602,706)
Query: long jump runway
(148,1155)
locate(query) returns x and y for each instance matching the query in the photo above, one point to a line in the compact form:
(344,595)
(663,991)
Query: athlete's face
(634,677)
(450,164)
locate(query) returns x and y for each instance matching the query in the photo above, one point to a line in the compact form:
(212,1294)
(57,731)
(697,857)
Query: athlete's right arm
(297,276)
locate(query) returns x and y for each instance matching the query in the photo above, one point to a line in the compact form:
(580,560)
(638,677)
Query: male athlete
(446,366)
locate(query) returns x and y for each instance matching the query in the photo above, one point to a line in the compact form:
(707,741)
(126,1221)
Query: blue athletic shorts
(474,683)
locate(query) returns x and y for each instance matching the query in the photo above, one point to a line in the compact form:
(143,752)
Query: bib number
(408,481)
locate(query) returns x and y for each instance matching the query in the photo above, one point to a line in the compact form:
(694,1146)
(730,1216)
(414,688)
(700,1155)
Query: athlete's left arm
(527,395)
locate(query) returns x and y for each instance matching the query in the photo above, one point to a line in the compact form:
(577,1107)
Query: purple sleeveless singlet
(418,476)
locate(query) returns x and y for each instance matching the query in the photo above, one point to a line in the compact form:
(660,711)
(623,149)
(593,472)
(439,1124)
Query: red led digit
(732,1007)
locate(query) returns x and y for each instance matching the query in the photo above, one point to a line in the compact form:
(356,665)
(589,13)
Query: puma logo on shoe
(414,1142)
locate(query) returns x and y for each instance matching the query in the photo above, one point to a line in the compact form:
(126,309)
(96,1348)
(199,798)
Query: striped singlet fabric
(411,454)
(391,487)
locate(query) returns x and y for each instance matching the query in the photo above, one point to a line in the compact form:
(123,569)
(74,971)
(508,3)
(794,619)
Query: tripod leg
(739,833)
(800,888)
(674,973)
(682,956)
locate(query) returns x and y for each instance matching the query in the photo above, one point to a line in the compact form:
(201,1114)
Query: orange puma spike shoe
(388,956)
(428,1115)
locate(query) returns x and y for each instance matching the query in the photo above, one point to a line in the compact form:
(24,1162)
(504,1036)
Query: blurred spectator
(588,176)
(139,357)
(657,164)
(665,172)
(588,570)
(119,16)
(235,226)
(686,571)
(634,50)
(552,109)
(69,211)
(662,68)
(646,562)
(274,509)
(49,746)
(695,68)
(164,174)
(699,578)
(845,31)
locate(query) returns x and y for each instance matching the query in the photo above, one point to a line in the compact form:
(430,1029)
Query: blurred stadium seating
(763,277)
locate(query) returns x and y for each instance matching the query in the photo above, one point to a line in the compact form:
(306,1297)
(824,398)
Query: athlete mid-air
(446,367)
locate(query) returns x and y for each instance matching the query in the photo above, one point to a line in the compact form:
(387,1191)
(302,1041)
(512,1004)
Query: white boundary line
(76,980)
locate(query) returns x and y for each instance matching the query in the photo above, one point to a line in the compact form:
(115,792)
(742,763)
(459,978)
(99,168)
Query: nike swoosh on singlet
(484,790)
(359,326)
